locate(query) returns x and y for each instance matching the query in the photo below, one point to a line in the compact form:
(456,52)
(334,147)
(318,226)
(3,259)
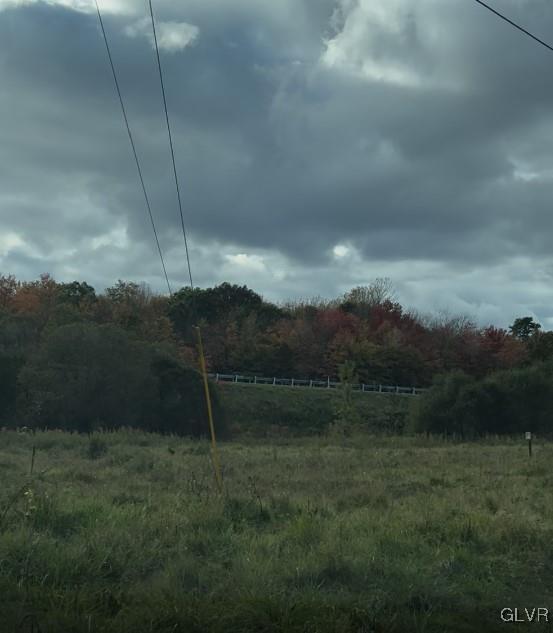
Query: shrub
(180,406)
(442,409)
(505,402)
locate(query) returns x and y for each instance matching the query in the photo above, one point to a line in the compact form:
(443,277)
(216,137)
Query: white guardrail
(315,384)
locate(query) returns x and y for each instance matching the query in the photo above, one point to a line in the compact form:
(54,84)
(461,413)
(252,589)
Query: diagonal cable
(517,26)
(133,146)
(171,144)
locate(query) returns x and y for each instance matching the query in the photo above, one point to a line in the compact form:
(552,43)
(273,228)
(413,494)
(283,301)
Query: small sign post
(529,438)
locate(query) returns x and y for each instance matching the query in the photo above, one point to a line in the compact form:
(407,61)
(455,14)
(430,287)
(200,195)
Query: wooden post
(33,460)
(529,438)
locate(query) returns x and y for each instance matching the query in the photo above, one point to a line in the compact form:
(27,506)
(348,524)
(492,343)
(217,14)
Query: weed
(96,448)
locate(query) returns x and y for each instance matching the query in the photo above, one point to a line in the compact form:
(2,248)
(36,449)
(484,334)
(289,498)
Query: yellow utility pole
(214,451)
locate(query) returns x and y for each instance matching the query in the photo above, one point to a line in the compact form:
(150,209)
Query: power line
(133,146)
(171,144)
(517,26)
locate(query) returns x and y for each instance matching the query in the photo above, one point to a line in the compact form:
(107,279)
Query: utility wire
(171,145)
(517,26)
(133,146)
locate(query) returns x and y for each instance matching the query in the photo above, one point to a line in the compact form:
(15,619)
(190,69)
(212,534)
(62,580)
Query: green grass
(258,410)
(383,534)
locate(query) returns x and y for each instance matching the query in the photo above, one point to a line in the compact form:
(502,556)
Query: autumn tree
(135,308)
(37,299)
(243,333)
(540,346)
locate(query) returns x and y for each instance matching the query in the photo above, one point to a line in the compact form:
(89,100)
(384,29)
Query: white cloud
(529,171)
(383,42)
(8,242)
(121,7)
(247,262)
(353,48)
(257,270)
(117,238)
(171,36)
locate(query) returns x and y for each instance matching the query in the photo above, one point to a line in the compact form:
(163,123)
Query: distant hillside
(261,410)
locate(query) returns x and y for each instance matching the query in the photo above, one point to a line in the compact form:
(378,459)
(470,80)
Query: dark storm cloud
(408,131)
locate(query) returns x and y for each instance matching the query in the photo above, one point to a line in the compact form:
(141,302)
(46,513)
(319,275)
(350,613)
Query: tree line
(128,356)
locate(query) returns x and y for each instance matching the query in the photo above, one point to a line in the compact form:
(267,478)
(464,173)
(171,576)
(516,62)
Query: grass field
(125,533)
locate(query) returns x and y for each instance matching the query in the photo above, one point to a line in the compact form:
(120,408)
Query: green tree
(361,300)
(10,366)
(504,402)
(441,408)
(85,375)
(390,364)
(76,293)
(188,307)
(180,406)
(524,327)
(17,342)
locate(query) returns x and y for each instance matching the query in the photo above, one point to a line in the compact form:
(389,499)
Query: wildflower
(30,503)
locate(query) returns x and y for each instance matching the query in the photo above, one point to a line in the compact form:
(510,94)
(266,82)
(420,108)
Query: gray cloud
(417,135)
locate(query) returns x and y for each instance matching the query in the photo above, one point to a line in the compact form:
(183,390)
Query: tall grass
(365,534)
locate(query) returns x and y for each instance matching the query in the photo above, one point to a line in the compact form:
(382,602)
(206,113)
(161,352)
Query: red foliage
(333,320)
(388,311)
(305,343)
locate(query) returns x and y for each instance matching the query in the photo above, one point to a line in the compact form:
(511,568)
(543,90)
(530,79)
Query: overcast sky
(319,144)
